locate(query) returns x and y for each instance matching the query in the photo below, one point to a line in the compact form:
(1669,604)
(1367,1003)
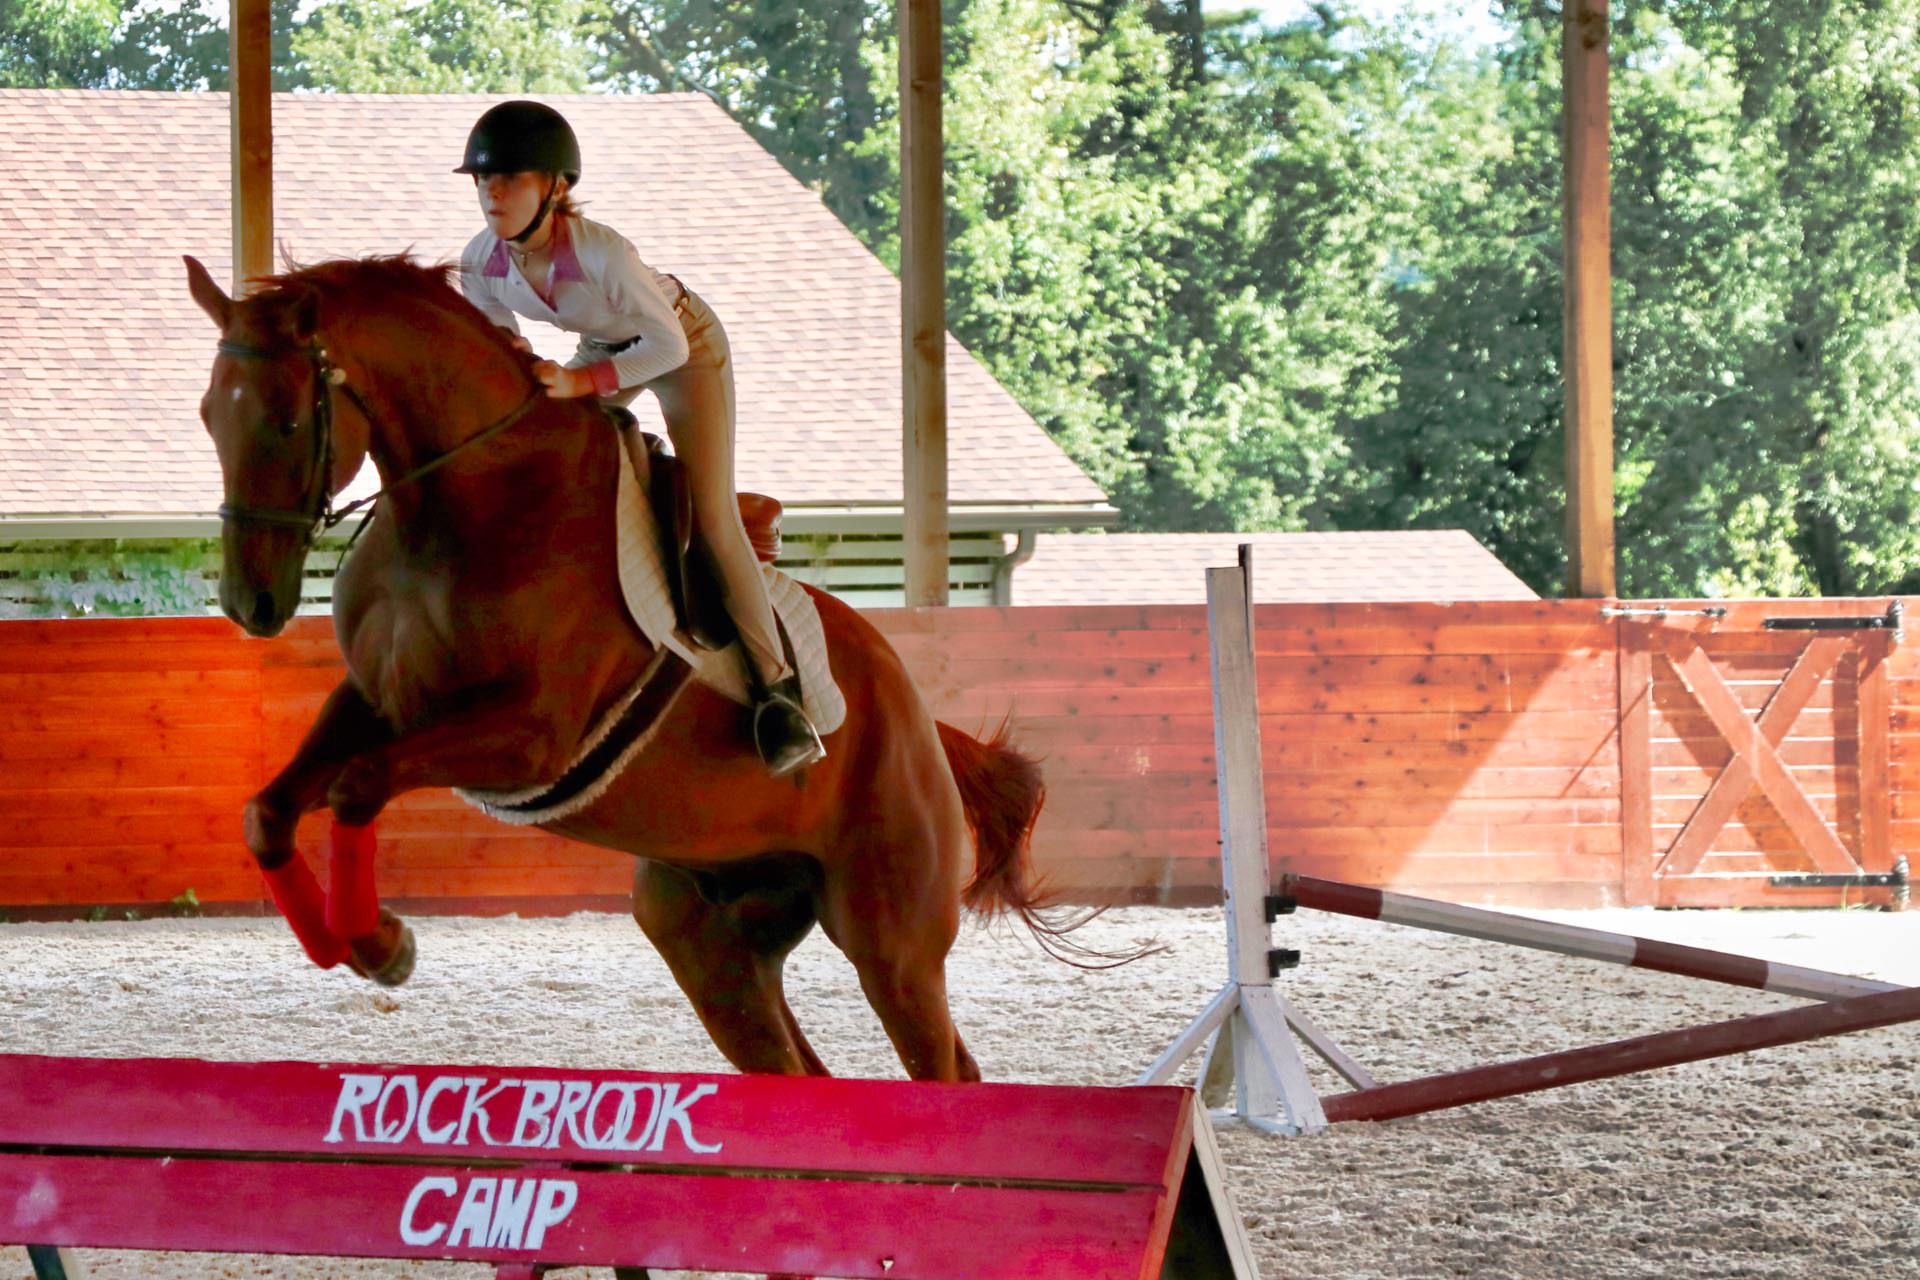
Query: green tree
(184,46)
(1469,434)
(445,46)
(1173,272)
(1763,213)
(126,44)
(55,44)
(1829,112)
(802,76)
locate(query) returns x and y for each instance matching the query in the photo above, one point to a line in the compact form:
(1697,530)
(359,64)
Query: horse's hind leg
(727,947)
(893,906)
(728,955)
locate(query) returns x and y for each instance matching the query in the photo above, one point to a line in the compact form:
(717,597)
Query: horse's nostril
(263,608)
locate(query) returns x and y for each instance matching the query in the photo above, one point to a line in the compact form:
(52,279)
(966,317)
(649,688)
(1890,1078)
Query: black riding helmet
(521,135)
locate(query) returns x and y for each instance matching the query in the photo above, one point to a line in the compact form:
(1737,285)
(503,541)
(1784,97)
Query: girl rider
(639,330)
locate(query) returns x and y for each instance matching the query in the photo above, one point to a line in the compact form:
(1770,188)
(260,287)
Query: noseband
(316,513)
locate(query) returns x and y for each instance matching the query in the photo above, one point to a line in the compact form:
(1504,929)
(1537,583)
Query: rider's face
(508,201)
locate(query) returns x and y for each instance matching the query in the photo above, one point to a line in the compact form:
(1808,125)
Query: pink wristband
(605,380)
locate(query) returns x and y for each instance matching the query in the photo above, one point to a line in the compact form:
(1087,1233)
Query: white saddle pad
(643,580)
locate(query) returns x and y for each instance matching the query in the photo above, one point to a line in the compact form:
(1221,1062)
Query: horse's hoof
(386,955)
(398,969)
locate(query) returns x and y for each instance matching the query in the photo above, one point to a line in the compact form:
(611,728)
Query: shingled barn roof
(103,356)
(1306,568)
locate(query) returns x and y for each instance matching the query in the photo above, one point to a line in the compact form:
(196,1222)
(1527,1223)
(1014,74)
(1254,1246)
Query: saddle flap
(698,600)
(670,494)
(672,500)
(643,583)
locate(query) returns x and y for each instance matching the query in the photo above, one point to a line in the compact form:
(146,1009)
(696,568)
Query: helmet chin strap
(546,207)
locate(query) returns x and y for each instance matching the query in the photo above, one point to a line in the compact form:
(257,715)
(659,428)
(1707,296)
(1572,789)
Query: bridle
(316,513)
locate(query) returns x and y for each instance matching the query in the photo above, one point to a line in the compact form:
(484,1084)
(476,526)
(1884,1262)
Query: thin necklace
(522,257)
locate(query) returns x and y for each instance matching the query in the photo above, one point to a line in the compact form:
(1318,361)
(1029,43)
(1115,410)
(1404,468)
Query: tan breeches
(697,402)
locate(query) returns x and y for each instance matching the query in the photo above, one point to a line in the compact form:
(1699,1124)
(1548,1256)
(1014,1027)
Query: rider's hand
(561,382)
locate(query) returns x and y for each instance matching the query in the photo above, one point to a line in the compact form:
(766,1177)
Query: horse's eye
(287,428)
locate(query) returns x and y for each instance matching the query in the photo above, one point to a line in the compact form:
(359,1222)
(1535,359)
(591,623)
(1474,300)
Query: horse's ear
(304,317)
(208,294)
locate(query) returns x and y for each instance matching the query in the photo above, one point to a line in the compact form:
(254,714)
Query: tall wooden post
(1587,284)
(250,52)
(923,281)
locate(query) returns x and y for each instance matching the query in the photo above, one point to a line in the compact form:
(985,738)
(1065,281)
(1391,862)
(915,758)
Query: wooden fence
(1505,753)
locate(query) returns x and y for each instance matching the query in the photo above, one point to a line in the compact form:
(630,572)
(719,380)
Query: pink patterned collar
(566,263)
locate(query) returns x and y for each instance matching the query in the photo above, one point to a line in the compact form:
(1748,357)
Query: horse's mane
(370,281)
(378,273)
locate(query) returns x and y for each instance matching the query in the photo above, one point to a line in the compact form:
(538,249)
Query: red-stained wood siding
(1470,751)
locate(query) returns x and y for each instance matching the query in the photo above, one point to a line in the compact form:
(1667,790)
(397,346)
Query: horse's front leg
(493,731)
(498,736)
(346,728)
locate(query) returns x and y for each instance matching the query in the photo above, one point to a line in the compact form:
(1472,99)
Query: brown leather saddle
(699,605)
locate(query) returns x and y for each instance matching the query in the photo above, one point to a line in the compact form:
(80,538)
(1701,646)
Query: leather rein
(316,513)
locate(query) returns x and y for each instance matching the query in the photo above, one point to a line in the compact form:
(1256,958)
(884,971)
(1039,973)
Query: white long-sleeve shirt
(598,288)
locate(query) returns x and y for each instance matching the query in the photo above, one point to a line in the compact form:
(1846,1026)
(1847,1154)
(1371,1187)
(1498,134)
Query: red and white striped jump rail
(1573,940)
(1852,1004)
(527,1168)
(1624,1057)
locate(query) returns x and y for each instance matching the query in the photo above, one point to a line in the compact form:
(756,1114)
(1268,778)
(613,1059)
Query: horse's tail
(1002,792)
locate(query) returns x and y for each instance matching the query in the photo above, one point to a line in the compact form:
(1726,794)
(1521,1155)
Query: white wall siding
(173,576)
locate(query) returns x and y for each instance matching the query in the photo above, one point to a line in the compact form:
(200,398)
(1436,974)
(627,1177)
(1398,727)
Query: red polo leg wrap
(298,896)
(353,904)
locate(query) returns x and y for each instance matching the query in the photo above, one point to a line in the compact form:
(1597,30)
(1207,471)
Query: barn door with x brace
(1754,756)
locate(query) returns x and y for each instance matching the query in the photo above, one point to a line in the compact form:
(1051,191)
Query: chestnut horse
(484,632)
